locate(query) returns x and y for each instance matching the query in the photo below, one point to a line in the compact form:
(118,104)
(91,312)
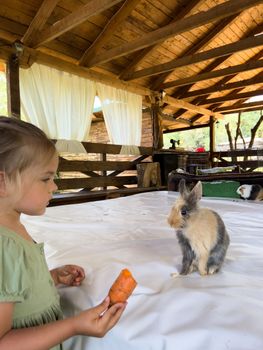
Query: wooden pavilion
(193,61)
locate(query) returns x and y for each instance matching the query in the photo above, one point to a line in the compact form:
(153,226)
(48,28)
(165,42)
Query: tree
(238,133)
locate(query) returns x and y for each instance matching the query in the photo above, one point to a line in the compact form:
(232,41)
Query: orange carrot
(122,287)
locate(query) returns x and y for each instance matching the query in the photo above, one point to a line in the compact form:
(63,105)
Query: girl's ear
(2,184)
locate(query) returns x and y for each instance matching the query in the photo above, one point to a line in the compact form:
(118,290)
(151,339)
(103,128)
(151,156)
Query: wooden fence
(103,173)
(245,159)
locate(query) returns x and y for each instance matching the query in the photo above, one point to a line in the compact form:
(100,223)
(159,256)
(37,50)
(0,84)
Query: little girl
(30,313)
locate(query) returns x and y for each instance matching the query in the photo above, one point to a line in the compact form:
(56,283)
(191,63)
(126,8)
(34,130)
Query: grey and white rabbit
(201,232)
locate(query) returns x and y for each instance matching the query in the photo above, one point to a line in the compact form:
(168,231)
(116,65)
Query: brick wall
(98,132)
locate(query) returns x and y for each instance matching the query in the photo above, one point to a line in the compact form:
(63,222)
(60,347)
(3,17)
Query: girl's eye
(46,180)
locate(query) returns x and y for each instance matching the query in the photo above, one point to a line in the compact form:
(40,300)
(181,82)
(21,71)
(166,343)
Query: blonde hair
(22,145)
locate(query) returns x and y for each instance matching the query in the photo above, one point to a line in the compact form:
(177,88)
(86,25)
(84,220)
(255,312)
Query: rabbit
(201,232)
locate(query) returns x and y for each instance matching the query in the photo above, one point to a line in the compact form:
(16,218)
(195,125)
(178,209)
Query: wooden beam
(38,21)
(216,13)
(186,128)
(231,97)
(148,50)
(51,61)
(211,138)
(217,62)
(108,31)
(92,8)
(225,79)
(258,79)
(240,107)
(203,42)
(13,92)
(221,51)
(215,74)
(254,109)
(186,105)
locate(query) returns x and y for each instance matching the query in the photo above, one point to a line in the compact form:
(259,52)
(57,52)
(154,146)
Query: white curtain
(60,103)
(122,112)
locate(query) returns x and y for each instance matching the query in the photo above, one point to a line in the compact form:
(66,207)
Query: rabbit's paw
(212,269)
(174,274)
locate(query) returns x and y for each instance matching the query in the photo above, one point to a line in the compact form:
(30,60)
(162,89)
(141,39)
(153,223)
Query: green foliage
(200,137)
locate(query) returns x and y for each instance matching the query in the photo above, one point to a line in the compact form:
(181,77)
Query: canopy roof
(205,55)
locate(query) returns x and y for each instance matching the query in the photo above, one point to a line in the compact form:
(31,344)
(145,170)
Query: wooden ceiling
(201,57)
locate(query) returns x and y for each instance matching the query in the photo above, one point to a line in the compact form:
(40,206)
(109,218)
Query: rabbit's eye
(183,211)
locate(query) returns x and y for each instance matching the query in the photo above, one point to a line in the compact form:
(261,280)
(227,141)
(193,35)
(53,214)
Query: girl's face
(37,187)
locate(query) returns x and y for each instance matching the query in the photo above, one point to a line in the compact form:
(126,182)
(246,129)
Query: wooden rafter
(221,51)
(215,64)
(216,13)
(72,68)
(108,31)
(215,74)
(223,81)
(186,105)
(231,97)
(240,107)
(203,42)
(92,8)
(148,50)
(38,21)
(258,79)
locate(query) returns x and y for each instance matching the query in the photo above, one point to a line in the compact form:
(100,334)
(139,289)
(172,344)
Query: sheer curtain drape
(59,103)
(122,112)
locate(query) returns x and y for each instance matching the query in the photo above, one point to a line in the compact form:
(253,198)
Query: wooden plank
(231,97)
(108,31)
(38,21)
(186,105)
(82,166)
(77,17)
(148,50)
(186,24)
(93,182)
(239,107)
(258,79)
(203,42)
(223,81)
(215,74)
(221,51)
(238,153)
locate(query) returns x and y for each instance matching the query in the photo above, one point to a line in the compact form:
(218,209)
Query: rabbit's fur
(201,232)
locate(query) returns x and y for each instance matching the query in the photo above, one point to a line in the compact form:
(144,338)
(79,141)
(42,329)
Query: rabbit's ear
(196,192)
(182,187)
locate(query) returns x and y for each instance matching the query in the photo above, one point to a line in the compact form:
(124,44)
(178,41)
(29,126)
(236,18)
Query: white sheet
(223,311)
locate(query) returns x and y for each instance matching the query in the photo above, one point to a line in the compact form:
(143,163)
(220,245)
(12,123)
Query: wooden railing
(103,173)
(245,159)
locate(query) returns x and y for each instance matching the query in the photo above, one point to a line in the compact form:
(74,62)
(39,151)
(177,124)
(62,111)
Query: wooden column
(212,138)
(13,91)
(156,125)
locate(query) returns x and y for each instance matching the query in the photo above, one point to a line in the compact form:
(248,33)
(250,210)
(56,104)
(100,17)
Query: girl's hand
(69,275)
(97,321)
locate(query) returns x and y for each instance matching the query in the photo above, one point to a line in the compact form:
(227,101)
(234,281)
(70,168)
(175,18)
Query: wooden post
(156,124)
(13,91)
(212,139)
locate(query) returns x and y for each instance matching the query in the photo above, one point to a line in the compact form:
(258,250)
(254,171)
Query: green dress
(26,281)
